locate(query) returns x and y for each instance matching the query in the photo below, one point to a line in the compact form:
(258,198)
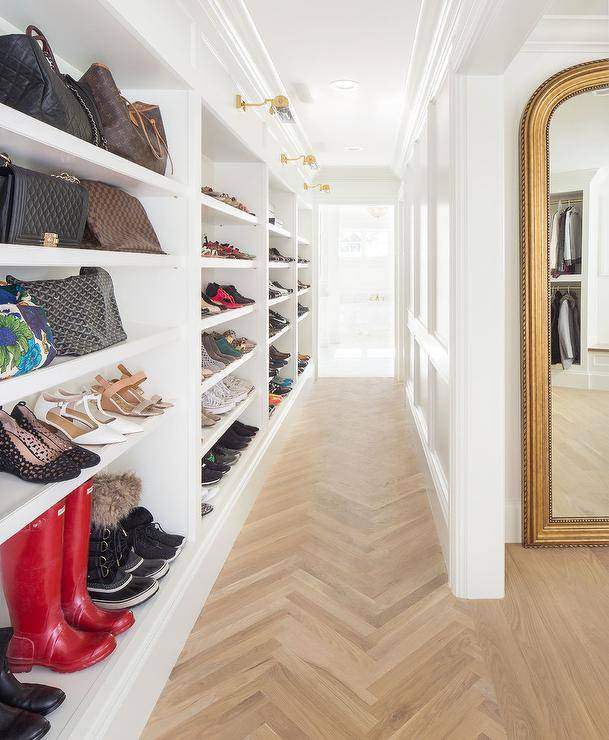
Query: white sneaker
(233,383)
(215,404)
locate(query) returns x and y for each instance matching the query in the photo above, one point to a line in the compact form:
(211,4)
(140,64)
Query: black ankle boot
(31,697)
(17,724)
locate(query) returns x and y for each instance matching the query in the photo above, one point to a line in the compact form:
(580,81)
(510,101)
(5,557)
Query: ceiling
(313,43)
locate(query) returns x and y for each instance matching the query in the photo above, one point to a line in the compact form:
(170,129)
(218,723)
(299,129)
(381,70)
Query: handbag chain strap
(98,138)
(37,35)
(6,160)
(67,177)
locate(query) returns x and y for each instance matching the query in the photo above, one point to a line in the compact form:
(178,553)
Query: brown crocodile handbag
(132,130)
(117,221)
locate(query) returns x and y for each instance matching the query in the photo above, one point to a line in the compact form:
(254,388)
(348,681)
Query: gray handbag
(81,310)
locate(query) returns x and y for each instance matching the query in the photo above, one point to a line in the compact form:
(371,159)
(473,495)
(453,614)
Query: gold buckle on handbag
(49,239)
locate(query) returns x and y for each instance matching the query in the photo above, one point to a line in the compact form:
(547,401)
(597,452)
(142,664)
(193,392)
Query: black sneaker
(137,566)
(145,545)
(277,355)
(234,455)
(209,476)
(231,290)
(234,441)
(244,430)
(211,461)
(140,516)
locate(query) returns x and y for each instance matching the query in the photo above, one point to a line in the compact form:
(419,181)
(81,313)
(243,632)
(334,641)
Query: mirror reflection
(579,305)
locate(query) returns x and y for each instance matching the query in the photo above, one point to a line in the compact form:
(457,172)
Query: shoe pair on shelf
(277,322)
(226,250)
(223,455)
(225,198)
(224,297)
(23,706)
(277,359)
(128,551)
(219,350)
(222,398)
(278,287)
(303,261)
(303,286)
(303,361)
(276,256)
(302,310)
(274,293)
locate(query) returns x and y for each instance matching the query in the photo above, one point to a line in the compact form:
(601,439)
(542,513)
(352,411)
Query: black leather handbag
(39,209)
(31,82)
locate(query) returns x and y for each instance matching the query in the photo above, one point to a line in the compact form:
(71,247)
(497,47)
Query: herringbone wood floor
(332,617)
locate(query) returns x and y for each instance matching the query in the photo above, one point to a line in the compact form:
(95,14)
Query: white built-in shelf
(304,316)
(221,263)
(304,242)
(279,231)
(281,299)
(216,212)
(566,279)
(229,315)
(22,502)
(302,266)
(279,334)
(228,370)
(17,255)
(210,435)
(277,265)
(288,401)
(303,291)
(64,370)
(46,148)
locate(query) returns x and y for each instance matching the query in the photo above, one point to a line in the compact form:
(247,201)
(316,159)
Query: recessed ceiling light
(354,148)
(344,85)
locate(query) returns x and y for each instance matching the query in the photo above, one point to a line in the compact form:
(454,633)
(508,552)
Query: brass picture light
(279,105)
(307,159)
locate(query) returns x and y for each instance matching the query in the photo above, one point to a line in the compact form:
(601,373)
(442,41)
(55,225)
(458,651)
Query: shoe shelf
(21,502)
(63,370)
(48,149)
(17,255)
(229,315)
(222,263)
(279,231)
(280,299)
(304,291)
(279,334)
(277,265)
(216,212)
(304,242)
(210,435)
(228,370)
(304,316)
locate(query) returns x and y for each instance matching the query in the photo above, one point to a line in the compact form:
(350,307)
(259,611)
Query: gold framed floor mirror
(564,217)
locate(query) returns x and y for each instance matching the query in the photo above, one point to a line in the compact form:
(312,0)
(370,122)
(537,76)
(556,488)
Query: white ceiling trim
(238,45)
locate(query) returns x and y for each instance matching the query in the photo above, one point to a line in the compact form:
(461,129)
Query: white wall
(426,244)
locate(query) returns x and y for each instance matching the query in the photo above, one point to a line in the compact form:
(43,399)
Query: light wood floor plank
(332,617)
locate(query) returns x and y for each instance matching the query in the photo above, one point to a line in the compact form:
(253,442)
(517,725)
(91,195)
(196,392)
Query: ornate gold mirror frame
(538,525)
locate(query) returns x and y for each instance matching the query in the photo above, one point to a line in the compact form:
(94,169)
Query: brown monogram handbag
(132,130)
(117,221)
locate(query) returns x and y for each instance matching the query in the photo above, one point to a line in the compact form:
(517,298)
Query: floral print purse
(26,339)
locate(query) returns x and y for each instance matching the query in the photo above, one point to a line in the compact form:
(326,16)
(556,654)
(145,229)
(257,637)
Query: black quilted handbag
(81,309)
(31,82)
(39,209)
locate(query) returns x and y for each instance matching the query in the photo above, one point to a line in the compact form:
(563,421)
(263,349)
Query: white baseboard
(513,519)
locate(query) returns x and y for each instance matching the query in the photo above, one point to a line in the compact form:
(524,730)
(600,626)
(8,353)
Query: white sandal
(81,428)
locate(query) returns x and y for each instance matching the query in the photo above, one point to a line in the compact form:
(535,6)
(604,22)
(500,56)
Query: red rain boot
(76,603)
(31,562)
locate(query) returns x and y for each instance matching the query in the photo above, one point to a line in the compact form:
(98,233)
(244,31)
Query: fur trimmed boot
(118,578)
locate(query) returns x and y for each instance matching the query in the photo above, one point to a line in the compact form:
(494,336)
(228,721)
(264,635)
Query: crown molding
(232,37)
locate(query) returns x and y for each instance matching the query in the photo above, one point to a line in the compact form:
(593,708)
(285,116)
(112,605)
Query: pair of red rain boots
(44,576)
